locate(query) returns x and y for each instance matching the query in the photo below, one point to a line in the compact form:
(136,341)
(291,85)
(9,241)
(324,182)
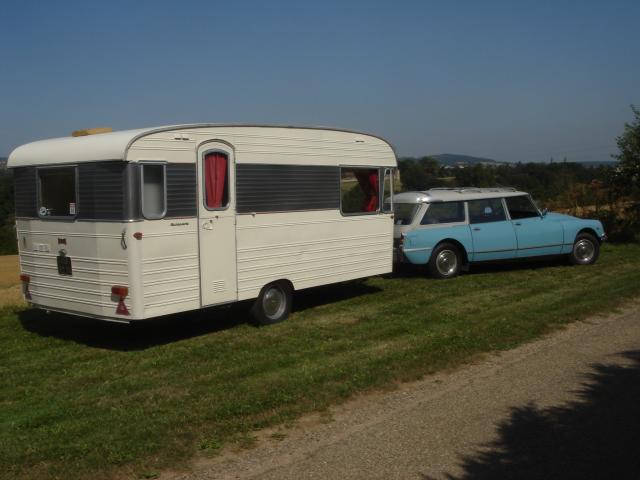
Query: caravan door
(217,224)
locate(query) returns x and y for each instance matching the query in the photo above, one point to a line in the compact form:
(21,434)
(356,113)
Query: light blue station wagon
(449,228)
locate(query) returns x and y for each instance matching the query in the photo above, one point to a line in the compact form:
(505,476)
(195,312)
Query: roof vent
(91,131)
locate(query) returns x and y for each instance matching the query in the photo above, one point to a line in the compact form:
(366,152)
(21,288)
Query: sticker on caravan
(72,208)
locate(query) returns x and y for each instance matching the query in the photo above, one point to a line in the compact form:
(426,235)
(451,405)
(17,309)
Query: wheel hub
(446,262)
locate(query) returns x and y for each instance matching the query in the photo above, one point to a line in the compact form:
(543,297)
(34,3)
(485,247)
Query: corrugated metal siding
(24,181)
(101,191)
(181,190)
(277,188)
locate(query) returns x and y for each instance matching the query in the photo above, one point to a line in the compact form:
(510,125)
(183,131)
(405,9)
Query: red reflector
(24,277)
(122,308)
(137,235)
(120,291)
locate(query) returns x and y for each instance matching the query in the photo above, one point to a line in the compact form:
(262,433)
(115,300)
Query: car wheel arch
(463,250)
(590,231)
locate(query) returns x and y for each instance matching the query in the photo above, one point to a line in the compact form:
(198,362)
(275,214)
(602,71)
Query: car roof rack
(474,189)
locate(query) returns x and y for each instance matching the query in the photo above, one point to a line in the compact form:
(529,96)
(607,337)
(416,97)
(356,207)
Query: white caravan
(136,224)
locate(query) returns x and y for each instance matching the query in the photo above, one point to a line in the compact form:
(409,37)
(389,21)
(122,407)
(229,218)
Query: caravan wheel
(273,304)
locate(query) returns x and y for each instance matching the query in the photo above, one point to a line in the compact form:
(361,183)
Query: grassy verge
(81,399)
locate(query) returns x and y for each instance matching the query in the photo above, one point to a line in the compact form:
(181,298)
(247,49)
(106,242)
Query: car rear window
(403,213)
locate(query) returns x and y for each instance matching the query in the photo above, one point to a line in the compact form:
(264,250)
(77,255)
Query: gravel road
(566,406)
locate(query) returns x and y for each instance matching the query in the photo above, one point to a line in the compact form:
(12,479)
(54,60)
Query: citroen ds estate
(447,229)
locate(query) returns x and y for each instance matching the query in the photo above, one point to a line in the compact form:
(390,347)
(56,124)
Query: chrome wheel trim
(274,302)
(584,250)
(447,262)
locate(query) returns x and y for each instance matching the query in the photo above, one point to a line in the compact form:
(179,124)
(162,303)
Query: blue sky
(514,81)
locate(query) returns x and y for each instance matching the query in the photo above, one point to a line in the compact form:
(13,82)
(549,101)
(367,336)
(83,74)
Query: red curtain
(368,181)
(215,173)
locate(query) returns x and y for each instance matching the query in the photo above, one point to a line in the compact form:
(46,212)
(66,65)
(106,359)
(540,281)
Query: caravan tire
(273,304)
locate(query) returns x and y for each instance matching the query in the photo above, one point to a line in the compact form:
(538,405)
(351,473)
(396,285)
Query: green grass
(82,399)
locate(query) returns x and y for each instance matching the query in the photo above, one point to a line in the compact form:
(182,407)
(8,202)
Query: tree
(629,156)
(419,174)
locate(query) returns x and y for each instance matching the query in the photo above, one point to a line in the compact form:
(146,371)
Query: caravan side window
(216,180)
(154,190)
(359,190)
(57,192)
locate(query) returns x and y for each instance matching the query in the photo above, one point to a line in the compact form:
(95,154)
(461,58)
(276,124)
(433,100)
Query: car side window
(521,207)
(446,212)
(486,210)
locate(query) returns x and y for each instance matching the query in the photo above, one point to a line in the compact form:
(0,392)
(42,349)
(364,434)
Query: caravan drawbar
(137,224)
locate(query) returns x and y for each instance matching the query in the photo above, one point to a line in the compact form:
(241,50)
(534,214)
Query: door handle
(208,225)
(517,224)
(476,229)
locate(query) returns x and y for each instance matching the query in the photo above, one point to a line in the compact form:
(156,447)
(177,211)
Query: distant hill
(454,159)
(457,160)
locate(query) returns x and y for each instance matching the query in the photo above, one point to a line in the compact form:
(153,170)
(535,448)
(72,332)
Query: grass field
(83,399)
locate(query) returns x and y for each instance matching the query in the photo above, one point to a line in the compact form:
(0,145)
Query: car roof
(453,194)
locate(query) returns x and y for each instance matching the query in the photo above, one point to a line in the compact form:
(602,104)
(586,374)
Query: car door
(535,234)
(492,233)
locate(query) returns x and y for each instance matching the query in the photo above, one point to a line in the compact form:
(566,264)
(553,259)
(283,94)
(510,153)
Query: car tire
(445,261)
(273,304)
(585,250)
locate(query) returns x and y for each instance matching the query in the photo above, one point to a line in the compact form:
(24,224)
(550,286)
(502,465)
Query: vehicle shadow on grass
(595,436)
(137,335)
(336,292)
(412,271)
(171,328)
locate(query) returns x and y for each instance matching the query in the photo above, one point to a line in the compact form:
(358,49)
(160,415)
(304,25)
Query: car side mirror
(544,212)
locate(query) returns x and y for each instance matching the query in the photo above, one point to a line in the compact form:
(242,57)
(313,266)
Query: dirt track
(566,406)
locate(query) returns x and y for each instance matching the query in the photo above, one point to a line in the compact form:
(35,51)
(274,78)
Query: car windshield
(403,213)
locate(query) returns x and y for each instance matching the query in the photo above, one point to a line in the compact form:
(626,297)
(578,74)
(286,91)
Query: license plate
(64,265)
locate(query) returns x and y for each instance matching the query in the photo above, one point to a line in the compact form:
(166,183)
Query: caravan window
(359,190)
(57,192)
(216,180)
(154,189)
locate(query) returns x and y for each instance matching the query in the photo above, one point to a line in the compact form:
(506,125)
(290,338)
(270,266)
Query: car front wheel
(585,250)
(445,261)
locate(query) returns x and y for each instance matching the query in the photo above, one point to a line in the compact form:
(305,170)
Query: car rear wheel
(585,250)
(445,261)
(273,304)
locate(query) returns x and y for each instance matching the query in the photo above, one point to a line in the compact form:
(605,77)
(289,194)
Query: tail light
(120,292)
(25,279)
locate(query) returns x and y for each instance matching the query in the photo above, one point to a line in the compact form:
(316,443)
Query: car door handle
(517,224)
(208,225)
(476,229)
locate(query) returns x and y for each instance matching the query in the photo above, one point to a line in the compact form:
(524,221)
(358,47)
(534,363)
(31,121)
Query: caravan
(137,224)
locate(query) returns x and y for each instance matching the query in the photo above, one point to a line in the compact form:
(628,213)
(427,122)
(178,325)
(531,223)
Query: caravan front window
(359,190)
(57,192)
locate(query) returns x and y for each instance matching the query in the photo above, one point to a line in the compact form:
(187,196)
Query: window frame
(378,211)
(382,192)
(39,191)
(203,180)
(464,221)
(163,164)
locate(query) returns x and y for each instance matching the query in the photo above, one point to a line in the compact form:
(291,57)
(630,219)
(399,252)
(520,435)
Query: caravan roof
(116,145)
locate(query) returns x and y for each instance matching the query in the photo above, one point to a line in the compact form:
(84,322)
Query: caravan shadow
(171,328)
(135,336)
